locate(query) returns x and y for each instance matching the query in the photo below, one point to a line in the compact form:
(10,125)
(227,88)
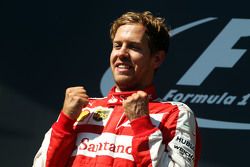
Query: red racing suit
(102,136)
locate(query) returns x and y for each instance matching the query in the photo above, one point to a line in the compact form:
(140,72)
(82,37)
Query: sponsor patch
(100,115)
(94,116)
(83,115)
(107,144)
(185,147)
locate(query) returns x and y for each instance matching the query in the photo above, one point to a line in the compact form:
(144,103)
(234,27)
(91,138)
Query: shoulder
(177,112)
(173,106)
(182,107)
(179,118)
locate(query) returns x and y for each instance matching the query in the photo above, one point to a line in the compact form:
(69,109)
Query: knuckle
(85,96)
(68,90)
(135,95)
(84,91)
(128,99)
(142,93)
(124,103)
(69,94)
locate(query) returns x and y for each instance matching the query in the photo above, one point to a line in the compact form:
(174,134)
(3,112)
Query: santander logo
(201,69)
(105,146)
(109,144)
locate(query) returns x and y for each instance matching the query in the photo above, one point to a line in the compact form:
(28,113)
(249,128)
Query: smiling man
(131,60)
(131,126)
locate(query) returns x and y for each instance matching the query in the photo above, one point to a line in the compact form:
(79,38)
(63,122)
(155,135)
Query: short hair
(156,30)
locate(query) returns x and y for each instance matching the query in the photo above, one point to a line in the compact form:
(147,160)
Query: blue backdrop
(47,46)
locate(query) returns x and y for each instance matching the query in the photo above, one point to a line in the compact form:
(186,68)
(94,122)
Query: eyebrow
(129,42)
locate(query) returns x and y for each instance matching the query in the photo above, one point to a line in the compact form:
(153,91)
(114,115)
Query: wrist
(64,123)
(71,114)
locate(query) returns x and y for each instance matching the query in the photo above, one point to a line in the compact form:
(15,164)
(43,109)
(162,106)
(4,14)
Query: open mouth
(122,67)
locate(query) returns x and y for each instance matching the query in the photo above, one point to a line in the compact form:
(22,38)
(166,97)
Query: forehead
(134,32)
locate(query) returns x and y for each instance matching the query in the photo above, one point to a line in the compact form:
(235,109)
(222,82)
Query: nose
(123,52)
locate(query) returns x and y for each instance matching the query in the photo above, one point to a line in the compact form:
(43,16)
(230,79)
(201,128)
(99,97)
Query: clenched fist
(136,105)
(75,99)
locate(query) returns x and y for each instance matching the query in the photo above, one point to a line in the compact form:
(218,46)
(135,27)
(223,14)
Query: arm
(57,145)
(173,146)
(59,141)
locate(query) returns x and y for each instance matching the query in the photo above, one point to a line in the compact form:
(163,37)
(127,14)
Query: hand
(75,99)
(136,105)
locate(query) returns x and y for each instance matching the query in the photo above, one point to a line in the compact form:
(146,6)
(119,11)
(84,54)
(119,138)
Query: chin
(123,78)
(125,84)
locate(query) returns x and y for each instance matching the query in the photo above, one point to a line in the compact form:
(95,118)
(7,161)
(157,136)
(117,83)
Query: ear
(158,58)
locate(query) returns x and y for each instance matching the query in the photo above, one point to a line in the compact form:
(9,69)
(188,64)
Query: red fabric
(107,138)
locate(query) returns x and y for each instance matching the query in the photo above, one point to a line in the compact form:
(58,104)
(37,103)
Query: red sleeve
(174,143)
(62,142)
(142,128)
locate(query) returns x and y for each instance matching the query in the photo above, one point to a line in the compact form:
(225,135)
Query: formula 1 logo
(222,44)
(219,54)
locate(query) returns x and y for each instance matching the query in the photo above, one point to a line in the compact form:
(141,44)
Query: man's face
(131,61)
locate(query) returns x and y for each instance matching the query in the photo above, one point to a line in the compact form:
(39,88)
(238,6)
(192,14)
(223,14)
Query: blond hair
(156,30)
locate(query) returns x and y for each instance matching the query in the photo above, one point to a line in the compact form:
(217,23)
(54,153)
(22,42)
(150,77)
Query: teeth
(123,66)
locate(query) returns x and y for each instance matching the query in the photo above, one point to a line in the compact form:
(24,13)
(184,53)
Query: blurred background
(46,47)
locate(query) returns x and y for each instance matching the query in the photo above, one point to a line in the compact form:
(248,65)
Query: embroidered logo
(83,115)
(100,115)
(112,100)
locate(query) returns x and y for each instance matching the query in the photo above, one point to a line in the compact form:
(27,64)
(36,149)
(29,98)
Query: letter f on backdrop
(219,53)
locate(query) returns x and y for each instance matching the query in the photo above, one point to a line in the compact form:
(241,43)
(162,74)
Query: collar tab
(116,98)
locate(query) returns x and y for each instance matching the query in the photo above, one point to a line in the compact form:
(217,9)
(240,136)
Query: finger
(76,89)
(76,92)
(135,96)
(83,96)
(79,89)
(128,99)
(79,100)
(142,94)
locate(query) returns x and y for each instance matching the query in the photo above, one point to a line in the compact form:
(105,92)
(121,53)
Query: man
(131,126)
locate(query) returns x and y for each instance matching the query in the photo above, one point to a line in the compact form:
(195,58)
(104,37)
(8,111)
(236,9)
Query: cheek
(140,66)
(111,57)
(137,57)
(141,60)
(143,65)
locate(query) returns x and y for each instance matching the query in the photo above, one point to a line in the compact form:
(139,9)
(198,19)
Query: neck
(134,88)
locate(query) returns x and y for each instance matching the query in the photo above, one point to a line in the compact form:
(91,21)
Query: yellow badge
(83,115)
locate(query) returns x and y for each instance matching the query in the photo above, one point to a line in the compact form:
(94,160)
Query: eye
(116,45)
(135,47)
